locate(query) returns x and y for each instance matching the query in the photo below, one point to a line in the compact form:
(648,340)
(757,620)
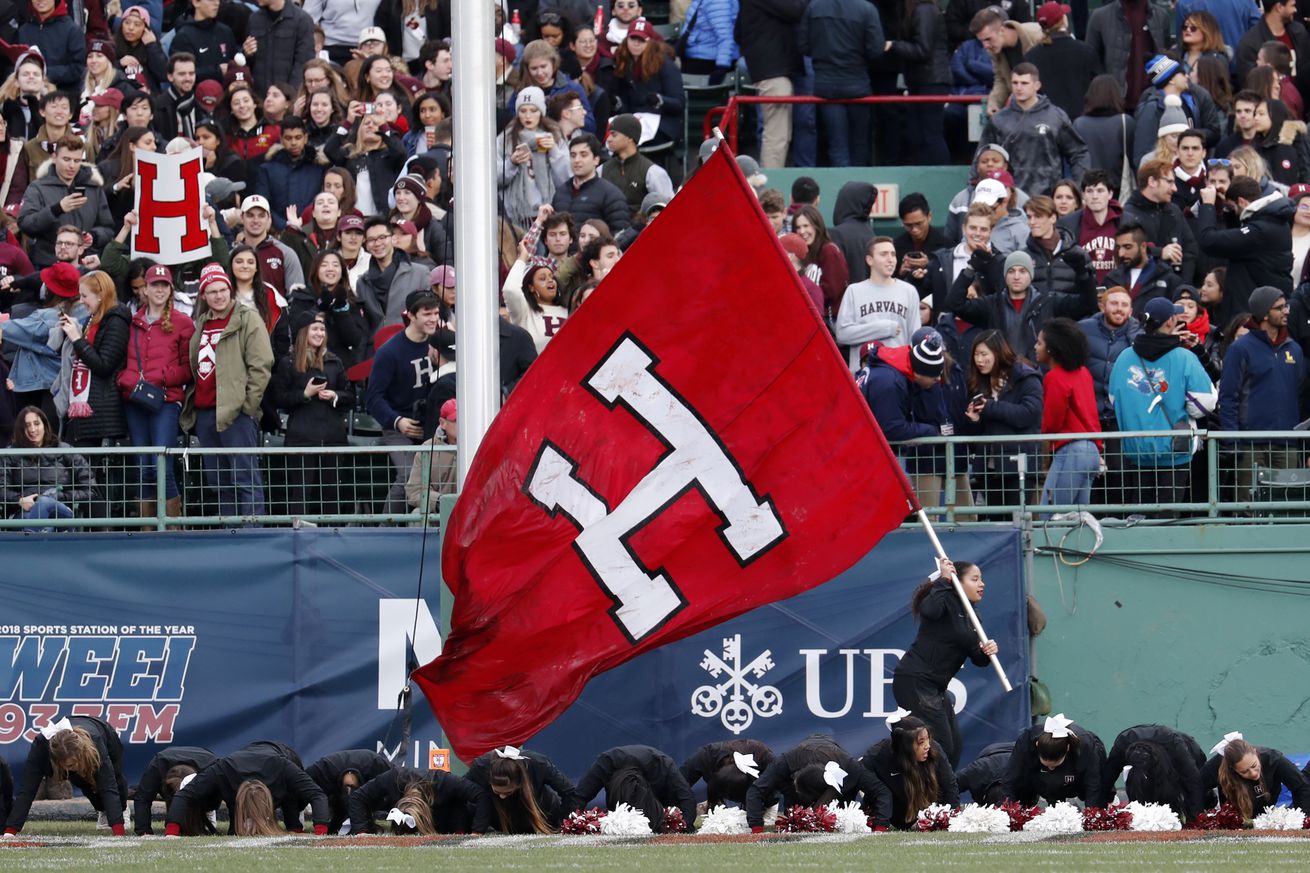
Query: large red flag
(690,446)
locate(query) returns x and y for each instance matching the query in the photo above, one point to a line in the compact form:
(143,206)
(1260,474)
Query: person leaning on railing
(1006,399)
(42,486)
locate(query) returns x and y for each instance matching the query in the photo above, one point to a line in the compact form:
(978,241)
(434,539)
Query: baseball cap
(111,97)
(372,34)
(1049,14)
(989,191)
(208,94)
(449,410)
(350,222)
(1160,310)
(255,201)
(423,298)
(442,277)
(642,29)
(159,273)
(793,244)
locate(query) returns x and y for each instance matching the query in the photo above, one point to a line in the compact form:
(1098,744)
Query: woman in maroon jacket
(824,263)
(157,354)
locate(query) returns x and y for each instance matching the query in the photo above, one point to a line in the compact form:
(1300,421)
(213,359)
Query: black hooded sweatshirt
(264,761)
(817,749)
(1184,754)
(1079,775)
(152,780)
(554,793)
(851,229)
(454,799)
(659,770)
(881,760)
(328,770)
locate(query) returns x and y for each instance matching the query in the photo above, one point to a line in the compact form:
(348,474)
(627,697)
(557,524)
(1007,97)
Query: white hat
(255,201)
(990,191)
(372,34)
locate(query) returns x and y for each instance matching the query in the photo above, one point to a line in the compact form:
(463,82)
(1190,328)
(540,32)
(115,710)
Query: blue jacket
(903,410)
(36,365)
(1261,383)
(842,37)
(286,181)
(1104,346)
(402,374)
(710,37)
(64,47)
(971,69)
(1135,384)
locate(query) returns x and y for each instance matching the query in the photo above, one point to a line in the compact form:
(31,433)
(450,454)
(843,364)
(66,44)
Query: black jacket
(1276,772)
(554,793)
(880,761)
(946,638)
(347,324)
(6,790)
(1298,318)
(517,352)
(842,37)
(851,229)
(68,475)
(152,780)
(266,762)
(709,758)
(661,772)
(108,794)
(1184,753)
(286,44)
(1021,328)
(383,164)
(1053,271)
(328,771)
(596,198)
(313,422)
(1067,67)
(817,749)
(1157,279)
(985,776)
(1164,223)
(960,12)
(1017,409)
(766,32)
(1259,252)
(454,799)
(1078,776)
(211,41)
(1104,346)
(921,49)
(104,358)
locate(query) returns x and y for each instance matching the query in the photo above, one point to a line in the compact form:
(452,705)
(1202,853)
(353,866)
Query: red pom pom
(674,823)
(582,823)
(1019,814)
(1114,817)
(939,822)
(1225,817)
(804,820)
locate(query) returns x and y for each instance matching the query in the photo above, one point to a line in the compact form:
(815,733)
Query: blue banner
(217,639)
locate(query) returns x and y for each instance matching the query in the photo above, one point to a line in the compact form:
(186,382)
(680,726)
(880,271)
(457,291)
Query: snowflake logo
(736,700)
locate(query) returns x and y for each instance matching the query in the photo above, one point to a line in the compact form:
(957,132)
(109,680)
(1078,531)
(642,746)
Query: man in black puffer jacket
(1259,252)
(1048,243)
(1152,206)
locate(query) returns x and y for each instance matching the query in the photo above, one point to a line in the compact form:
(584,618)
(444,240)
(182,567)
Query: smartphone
(80,191)
(977,398)
(317,381)
(368,108)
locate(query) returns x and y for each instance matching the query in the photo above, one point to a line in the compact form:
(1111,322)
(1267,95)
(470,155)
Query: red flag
(690,446)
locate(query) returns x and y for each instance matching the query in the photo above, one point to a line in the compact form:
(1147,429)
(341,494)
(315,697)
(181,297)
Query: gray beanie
(1262,300)
(1019,259)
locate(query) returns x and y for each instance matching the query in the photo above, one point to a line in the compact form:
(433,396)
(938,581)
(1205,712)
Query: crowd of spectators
(1144,183)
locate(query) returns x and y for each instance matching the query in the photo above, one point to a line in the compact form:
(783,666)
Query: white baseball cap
(370,34)
(255,201)
(989,191)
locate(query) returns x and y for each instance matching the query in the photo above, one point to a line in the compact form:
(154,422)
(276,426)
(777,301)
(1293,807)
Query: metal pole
(476,349)
(964,599)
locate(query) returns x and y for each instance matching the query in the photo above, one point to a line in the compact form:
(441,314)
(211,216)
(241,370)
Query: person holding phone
(1006,399)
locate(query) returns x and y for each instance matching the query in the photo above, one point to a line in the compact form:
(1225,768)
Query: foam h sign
(169,206)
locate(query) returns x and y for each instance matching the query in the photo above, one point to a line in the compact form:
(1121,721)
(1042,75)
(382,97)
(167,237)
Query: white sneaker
(102,822)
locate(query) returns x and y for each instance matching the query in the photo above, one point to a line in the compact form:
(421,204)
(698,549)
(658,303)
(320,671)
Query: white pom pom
(240,60)
(725,820)
(1173,100)
(625,822)
(1280,818)
(850,818)
(1154,817)
(979,819)
(1062,818)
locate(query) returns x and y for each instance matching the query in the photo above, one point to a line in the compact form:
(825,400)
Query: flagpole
(964,599)
(477,371)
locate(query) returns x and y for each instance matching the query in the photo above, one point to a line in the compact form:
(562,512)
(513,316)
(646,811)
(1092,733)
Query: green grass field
(79,847)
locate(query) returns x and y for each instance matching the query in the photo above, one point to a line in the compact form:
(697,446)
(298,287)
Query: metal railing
(1235,476)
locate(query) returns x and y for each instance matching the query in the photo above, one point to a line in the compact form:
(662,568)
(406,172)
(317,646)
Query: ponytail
(254,814)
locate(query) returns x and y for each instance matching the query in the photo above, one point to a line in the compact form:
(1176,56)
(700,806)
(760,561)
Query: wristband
(320,830)
(172,829)
(13,832)
(118,830)
(758,829)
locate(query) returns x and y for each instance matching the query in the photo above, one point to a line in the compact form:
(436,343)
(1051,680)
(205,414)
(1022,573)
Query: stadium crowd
(1129,251)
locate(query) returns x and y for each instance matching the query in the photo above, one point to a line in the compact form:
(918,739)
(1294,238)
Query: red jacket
(167,356)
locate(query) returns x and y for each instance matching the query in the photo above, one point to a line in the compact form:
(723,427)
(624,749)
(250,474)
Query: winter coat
(383,165)
(711,757)
(1156,280)
(1276,772)
(892,395)
(1198,105)
(35,361)
(109,788)
(595,198)
(1165,223)
(660,771)
(554,793)
(210,41)
(68,476)
(1030,36)
(1078,776)
(971,68)
(291,787)
(1248,48)
(766,31)
(777,779)
(41,214)
(453,799)
(243,364)
(328,771)
(1040,140)
(1095,238)
(1104,346)
(946,638)
(1067,67)
(23,126)
(1016,409)
(922,49)
(1051,270)
(1284,148)
(1142,374)
(382,293)
(841,37)
(1298,316)
(1021,328)
(151,784)
(349,336)
(524,188)
(1183,752)
(1109,138)
(880,760)
(708,29)
(984,776)
(286,44)
(313,421)
(62,44)
(158,357)
(288,181)
(1108,34)
(1259,252)
(662,94)
(104,358)
(1261,383)
(851,229)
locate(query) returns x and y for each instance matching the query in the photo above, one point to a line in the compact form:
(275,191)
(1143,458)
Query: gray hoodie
(1040,140)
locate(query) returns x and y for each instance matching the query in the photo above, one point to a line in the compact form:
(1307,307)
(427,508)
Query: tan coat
(1030,34)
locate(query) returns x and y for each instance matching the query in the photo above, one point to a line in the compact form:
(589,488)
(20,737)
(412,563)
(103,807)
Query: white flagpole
(964,599)
(477,372)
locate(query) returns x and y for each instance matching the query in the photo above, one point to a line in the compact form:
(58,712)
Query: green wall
(938,184)
(1207,654)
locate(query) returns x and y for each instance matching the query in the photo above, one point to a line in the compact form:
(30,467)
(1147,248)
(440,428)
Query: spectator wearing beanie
(881,310)
(1198,108)
(412,204)
(442,468)
(632,172)
(1259,252)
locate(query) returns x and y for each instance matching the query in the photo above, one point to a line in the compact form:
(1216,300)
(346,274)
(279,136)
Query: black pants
(932,707)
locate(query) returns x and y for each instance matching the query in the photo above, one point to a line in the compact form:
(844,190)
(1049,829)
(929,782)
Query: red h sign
(169,202)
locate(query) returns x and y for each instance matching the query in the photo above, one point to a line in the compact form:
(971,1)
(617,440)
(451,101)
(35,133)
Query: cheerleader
(914,768)
(426,802)
(163,777)
(254,782)
(642,777)
(89,754)
(728,768)
(946,637)
(522,792)
(1056,760)
(340,774)
(813,774)
(6,790)
(1251,777)
(984,779)
(1165,768)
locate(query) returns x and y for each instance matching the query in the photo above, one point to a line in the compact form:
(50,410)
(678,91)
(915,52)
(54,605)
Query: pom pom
(1224,818)
(1019,815)
(1280,818)
(1114,817)
(239,59)
(979,819)
(1173,100)
(804,820)
(582,823)
(673,821)
(1153,817)
(934,817)
(724,821)
(625,821)
(1060,818)
(849,818)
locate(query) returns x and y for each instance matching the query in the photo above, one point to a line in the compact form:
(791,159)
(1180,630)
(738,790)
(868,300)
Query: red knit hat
(214,273)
